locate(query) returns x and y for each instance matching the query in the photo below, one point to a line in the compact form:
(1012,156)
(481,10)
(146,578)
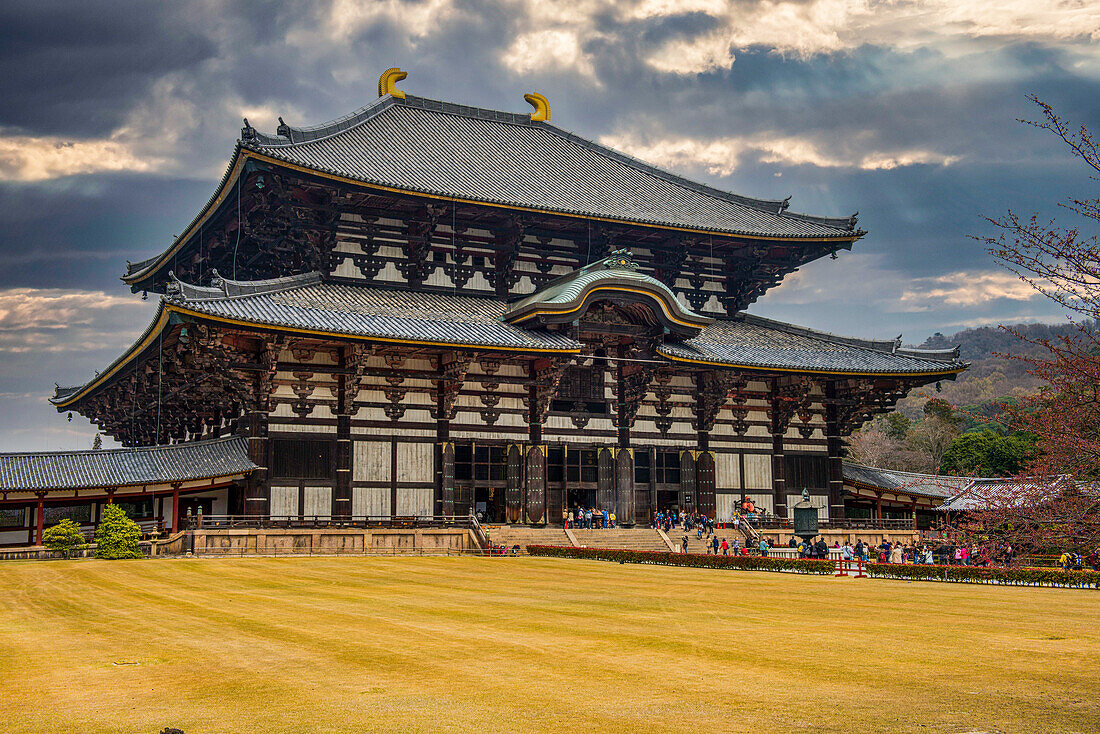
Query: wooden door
(704,484)
(605,484)
(687,481)
(513,498)
(536,485)
(624,486)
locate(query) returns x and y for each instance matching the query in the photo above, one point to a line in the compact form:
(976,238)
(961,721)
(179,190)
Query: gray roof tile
(304,302)
(924,485)
(755,342)
(124,467)
(437,148)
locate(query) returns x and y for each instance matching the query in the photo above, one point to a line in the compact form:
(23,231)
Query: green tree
(117,535)
(897,425)
(64,537)
(987,453)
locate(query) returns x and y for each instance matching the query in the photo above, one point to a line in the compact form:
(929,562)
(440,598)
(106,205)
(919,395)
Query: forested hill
(991,377)
(985,342)
(946,427)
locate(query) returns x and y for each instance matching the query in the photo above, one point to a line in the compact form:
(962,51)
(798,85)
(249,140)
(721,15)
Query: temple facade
(428,309)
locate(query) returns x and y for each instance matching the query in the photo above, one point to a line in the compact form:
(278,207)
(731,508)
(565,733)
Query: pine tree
(64,537)
(117,535)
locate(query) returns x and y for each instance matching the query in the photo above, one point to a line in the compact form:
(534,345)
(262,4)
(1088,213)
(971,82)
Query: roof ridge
(221,288)
(124,449)
(291,135)
(874,345)
(906,473)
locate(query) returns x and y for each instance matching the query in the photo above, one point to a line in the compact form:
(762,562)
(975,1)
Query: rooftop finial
(387,83)
(541,105)
(248,132)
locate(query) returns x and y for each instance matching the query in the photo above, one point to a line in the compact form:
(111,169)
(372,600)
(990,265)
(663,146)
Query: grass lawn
(531,644)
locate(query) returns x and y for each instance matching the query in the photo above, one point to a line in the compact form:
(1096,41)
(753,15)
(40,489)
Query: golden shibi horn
(541,105)
(387,83)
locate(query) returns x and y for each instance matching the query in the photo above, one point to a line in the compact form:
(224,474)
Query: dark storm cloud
(77,68)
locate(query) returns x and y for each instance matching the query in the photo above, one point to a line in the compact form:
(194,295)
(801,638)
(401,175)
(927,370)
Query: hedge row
(956,574)
(667,558)
(988,575)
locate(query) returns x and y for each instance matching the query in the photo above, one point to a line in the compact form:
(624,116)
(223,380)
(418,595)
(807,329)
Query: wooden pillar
(878,505)
(257,499)
(444,486)
(833,446)
(779,481)
(175,508)
(624,458)
(39,517)
(345,408)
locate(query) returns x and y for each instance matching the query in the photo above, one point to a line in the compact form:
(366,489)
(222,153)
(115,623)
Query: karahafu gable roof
(124,467)
(564,298)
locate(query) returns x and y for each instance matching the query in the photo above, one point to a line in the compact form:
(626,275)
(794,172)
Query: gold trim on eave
(587,295)
(758,368)
(168,309)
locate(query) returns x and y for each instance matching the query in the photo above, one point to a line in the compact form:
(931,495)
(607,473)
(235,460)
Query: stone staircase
(523,536)
(641,539)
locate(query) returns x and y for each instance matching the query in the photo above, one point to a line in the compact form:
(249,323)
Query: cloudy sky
(118,119)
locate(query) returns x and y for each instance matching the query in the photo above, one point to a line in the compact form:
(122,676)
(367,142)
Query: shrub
(64,537)
(667,558)
(958,574)
(117,535)
(988,575)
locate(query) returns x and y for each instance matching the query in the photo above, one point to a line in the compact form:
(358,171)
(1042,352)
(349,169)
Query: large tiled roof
(124,467)
(754,342)
(924,485)
(455,151)
(304,302)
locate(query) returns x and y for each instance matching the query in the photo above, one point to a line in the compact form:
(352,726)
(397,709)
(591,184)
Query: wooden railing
(221,522)
(772,522)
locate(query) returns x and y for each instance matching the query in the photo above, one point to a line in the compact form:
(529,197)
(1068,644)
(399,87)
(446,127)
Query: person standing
(764,547)
(725,547)
(684,544)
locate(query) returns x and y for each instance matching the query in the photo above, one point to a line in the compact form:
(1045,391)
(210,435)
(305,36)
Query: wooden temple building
(426,309)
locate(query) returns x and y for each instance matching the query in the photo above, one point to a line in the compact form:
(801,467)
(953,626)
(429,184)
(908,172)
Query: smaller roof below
(306,303)
(923,485)
(759,343)
(124,467)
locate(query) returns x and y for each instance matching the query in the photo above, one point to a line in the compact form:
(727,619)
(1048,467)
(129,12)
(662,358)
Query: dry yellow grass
(526,645)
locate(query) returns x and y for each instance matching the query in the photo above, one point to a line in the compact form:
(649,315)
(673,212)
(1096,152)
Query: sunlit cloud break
(967,289)
(38,158)
(61,320)
(722,156)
